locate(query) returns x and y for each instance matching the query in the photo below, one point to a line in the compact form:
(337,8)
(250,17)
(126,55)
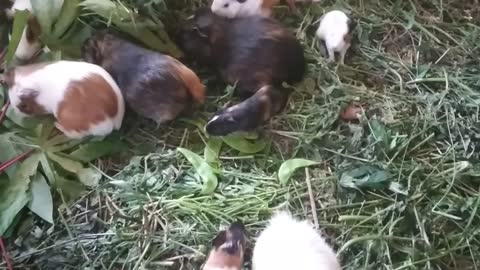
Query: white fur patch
(333,28)
(234,9)
(51,82)
(288,244)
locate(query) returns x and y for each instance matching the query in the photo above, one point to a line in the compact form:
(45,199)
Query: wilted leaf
(41,203)
(96,149)
(238,142)
(19,23)
(46,12)
(89,177)
(290,166)
(202,168)
(365,177)
(212,149)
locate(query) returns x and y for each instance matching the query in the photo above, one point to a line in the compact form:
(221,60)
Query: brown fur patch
(28,104)
(34,30)
(191,80)
(86,102)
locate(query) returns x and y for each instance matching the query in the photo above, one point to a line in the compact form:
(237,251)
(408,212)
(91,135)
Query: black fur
(234,236)
(146,78)
(250,52)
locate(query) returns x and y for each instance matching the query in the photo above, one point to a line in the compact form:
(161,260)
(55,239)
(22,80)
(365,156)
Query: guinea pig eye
(226,5)
(241,1)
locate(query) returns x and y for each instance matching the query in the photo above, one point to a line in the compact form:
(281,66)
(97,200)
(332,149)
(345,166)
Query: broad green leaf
(96,149)
(19,23)
(66,163)
(7,152)
(68,15)
(70,43)
(89,177)
(238,142)
(48,169)
(212,149)
(15,195)
(70,189)
(107,9)
(22,121)
(41,203)
(380,132)
(46,11)
(202,168)
(288,167)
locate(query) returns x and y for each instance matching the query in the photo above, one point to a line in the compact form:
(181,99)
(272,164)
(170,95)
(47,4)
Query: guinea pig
(256,54)
(336,31)
(30,44)
(154,85)
(287,244)
(228,249)
(83,98)
(246,8)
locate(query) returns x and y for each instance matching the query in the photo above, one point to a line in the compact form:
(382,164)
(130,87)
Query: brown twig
(5,256)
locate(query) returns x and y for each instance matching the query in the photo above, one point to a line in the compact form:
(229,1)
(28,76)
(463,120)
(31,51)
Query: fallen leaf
(240,143)
(288,167)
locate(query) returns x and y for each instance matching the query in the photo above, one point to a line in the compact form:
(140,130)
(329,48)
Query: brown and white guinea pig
(154,85)
(228,249)
(287,243)
(30,44)
(336,31)
(84,98)
(256,54)
(247,8)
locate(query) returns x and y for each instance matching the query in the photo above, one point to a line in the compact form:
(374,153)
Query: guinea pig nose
(226,5)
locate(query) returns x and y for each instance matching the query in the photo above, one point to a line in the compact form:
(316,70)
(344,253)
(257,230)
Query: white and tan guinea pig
(287,244)
(246,8)
(30,44)
(336,31)
(83,97)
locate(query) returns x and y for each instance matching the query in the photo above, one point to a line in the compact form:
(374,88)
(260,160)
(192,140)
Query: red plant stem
(3,112)
(7,164)
(5,256)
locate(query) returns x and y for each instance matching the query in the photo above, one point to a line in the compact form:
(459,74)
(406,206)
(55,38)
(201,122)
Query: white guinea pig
(336,31)
(287,244)
(83,97)
(246,8)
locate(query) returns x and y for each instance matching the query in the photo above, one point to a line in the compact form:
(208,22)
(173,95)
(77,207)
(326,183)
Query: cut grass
(399,190)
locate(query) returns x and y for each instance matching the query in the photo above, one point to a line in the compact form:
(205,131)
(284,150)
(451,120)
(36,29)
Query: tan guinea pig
(84,98)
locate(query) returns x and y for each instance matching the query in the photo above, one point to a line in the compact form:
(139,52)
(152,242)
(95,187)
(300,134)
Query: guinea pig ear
(33,29)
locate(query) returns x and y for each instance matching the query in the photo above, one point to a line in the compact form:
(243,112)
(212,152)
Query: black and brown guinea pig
(256,53)
(154,85)
(228,249)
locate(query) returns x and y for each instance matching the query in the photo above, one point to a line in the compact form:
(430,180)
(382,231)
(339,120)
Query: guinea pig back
(156,86)
(84,98)
(250,53)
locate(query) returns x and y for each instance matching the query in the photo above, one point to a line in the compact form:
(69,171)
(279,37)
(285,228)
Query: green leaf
(366,176)
(202,168)
(19,23)
(238,142)
(68,15)
(22,121)
(14,194)
(41,203)
(96,149)
(66,163)
(48,169)
(89,177)
(70,189)
(380,133)
(212,149)
(7,152)
(288,167)
(46,11)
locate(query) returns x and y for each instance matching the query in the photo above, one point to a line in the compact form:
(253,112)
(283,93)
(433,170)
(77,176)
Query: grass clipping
(400,189)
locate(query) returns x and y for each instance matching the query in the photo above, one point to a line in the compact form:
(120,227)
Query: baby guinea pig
(336,31)
(256,54)
(84,98)
(287,244)
(228,249)
(154,85)
(246,8)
